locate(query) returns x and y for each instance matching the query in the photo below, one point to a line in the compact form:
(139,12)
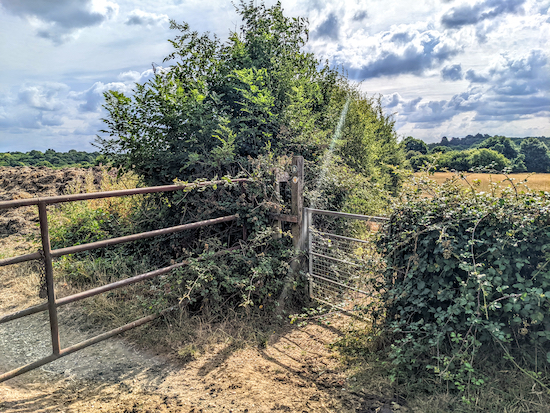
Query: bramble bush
(230,265)
(467,277)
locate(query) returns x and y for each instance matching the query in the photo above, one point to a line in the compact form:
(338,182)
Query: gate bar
(142,235)
(101,289)
(339,283)
(114,241)
(335,259)
(328,234)
(109,194)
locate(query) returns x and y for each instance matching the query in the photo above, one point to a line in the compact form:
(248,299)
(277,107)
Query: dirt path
(295,372)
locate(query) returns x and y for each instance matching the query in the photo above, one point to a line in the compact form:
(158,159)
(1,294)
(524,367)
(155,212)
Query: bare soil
(293,370)
(29,182)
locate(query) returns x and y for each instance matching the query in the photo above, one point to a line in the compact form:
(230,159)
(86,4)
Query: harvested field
(484,181)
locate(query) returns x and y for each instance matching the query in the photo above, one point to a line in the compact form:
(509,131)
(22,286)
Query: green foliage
(416,145)
(467,274)
(537,158)
(50,159)
(522,154)
(257,93)
(481,158)
(463,160)
(440,149)
(502,145)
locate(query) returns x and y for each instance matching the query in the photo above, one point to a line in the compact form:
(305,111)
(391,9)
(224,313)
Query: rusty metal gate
(341,266)
(46,255)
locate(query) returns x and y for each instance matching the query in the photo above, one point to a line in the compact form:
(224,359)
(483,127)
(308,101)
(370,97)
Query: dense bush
(467,275)
(258,93)
(230,265)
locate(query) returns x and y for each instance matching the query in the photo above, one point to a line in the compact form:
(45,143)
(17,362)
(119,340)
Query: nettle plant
(467,275)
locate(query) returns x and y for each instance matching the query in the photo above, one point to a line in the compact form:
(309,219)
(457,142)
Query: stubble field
(485,181)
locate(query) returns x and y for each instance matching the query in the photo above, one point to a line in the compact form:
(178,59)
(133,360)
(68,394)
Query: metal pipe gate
(47,254)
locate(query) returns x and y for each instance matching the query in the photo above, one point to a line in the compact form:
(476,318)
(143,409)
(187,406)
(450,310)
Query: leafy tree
(440,149)
(481,158)
(536,155)
(221,101)
(500,144)
(518,164)
(457,160)
(473,158)
(417,145)
(418,161)
(257,93)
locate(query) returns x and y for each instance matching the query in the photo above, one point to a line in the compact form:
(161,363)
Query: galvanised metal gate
(340,266)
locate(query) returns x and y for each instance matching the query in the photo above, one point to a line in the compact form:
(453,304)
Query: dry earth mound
(32,182)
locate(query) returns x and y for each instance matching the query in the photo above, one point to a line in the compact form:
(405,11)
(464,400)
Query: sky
(442,67)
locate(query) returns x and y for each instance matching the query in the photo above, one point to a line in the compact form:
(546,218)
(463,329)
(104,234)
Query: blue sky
(443,67)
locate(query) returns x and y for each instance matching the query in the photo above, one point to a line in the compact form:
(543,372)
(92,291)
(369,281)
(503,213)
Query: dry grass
(484,182)
(19,283)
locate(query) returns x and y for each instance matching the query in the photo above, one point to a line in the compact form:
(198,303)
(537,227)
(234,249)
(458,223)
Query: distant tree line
(51,158)
(475,152)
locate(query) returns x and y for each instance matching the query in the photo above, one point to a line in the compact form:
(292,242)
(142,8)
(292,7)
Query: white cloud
(51,110)
(93,97)
(46,96)
(141,18)
(412,57)
(403,49)
(133,76)
(512,89)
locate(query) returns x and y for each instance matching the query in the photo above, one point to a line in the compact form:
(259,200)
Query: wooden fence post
(297,190)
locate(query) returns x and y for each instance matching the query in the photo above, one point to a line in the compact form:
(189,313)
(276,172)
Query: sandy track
(295,372)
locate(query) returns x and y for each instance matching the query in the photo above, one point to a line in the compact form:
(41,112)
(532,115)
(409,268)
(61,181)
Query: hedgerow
(467,279)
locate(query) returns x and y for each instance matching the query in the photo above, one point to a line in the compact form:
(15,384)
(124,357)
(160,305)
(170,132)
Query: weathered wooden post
(298,239)
(297,190)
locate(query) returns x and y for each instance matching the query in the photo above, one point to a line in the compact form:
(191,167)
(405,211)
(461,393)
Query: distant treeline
(471,141)
(479,151)
(51,158)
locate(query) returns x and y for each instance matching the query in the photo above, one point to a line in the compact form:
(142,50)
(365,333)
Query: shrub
(536,156)
(467,273)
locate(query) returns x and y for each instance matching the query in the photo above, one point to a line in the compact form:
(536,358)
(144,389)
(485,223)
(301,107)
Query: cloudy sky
(443,67)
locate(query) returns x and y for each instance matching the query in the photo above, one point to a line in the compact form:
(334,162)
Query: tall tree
(500,144)
(257,92)
(537,158)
